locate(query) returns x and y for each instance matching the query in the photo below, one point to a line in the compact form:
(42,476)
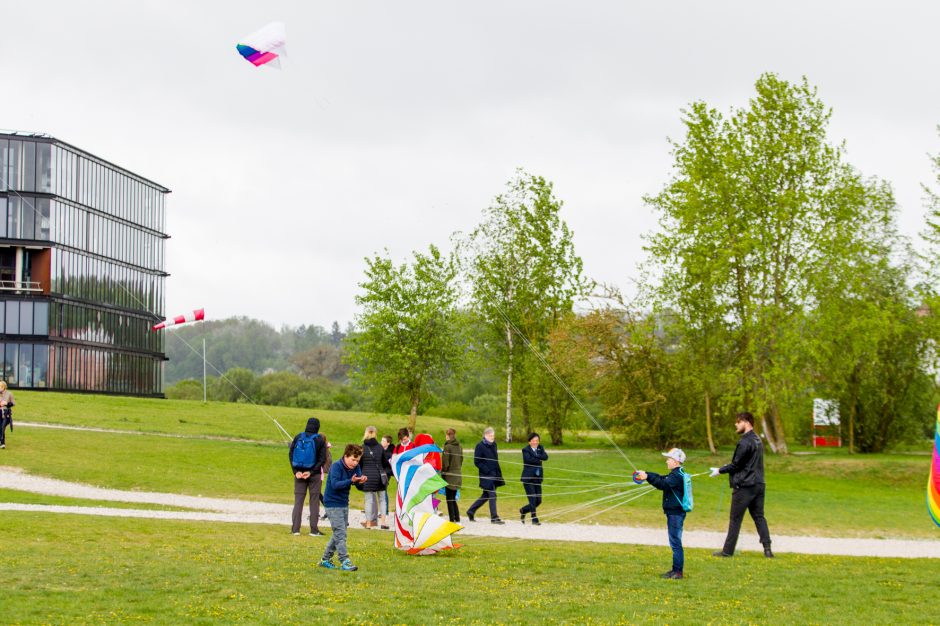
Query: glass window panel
(13,317)
(28,218)
(40,365)
(41,318)
(44,167)
(3,316)
(3,215)
(26,365)
(9,363)
(26,318)
(29,169)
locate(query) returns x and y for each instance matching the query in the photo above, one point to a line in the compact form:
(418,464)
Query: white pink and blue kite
(265,46)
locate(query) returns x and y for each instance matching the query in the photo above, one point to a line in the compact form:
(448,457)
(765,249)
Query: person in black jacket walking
(673,487)
(532,457)
(486,458)
(746,477)
(308,479)
(376,468)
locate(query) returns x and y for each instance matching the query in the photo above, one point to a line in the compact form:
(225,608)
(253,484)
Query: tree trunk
(780,436)
(708,423)
(509,386)
(413,417)
(768,434)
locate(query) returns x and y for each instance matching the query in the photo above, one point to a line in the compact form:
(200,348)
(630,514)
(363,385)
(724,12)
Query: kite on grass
(265,46)
(933,480)
(417,529)
(196,316)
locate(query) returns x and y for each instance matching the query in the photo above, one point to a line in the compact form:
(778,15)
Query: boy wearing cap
(673,487)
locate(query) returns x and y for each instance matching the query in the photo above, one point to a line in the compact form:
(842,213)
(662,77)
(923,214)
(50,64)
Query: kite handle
(635,479)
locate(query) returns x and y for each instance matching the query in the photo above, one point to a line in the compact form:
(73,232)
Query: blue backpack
(305,451)
(686,500)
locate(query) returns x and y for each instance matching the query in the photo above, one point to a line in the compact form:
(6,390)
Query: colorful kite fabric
(265,46)
(196,316)
(417,529)
(933,481)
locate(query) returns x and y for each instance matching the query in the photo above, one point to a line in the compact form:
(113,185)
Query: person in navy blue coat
(532,457)
(486,458)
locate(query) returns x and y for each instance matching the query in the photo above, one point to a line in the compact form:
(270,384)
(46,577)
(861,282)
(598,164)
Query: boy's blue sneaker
(348,566)
(328,564)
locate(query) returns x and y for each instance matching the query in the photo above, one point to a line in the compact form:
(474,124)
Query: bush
(189,389)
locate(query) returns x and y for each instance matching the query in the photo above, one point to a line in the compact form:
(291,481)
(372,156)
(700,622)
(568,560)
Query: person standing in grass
(343,474)
(746,477)
(673,487)
(6,413)
(307,456)
(376,469)
(387,450)
(404,441)
(451,467)
(486,458)
(532,457)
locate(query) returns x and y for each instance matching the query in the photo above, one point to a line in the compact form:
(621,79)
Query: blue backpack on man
(305,451)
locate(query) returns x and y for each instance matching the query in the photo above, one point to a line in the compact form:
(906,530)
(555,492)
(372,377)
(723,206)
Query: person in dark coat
(673,487)
(451,465)
(308,479)
(532,457)
(388,450)
(486,458)
(746,477)
(375,467)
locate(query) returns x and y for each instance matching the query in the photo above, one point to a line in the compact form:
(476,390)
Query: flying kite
(196,316)
(417,529)
(933,481)
(265,46)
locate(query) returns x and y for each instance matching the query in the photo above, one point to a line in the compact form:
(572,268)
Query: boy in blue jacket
(343,474)
(673,487)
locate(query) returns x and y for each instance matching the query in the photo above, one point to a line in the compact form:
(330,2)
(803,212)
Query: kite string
(30,205)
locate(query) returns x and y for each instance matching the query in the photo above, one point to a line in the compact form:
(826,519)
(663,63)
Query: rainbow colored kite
(417,529)
(933,481)
(265,46)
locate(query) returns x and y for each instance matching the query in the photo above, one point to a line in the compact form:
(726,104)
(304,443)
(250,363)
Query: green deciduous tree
(524,278)
(408,332)
(759,208)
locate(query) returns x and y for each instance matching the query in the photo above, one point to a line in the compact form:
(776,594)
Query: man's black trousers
(750,499)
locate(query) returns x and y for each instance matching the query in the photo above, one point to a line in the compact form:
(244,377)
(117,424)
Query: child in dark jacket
(343,474)
(673,487)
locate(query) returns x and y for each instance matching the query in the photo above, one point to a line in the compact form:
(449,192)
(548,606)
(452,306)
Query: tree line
(776,275)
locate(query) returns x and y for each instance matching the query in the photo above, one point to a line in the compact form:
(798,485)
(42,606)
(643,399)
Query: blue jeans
(674,526)
(339,520)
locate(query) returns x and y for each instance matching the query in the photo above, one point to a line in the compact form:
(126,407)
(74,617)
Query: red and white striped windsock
(196,316)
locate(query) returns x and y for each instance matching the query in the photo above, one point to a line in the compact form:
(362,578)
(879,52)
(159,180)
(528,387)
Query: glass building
(81,270)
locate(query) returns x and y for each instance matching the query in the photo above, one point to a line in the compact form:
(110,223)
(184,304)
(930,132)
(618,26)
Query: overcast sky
(393,124)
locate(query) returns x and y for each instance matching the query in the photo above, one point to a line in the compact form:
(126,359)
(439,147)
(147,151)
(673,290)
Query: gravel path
(474,533)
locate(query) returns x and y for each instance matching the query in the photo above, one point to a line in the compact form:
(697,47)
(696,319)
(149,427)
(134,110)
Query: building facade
(81,270)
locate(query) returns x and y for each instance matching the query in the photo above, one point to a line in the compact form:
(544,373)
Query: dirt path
(474,533)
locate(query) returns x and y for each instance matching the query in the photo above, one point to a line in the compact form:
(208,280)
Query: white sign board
(825,412)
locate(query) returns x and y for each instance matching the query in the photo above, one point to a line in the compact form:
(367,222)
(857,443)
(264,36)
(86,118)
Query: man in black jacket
(308,477)
(746,477)
(486,458)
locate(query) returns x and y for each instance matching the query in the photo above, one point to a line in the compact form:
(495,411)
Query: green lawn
(79,570)
(831,493)
(25,497)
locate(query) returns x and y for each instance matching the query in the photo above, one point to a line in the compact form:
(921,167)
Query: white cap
(676,454)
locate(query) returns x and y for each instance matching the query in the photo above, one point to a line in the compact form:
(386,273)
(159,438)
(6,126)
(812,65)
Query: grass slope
(826,494)
(78,570)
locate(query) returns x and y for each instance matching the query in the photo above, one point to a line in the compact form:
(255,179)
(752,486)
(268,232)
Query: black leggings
(6,420)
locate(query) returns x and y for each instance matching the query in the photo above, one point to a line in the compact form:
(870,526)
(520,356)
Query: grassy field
(830,493)
(80,570)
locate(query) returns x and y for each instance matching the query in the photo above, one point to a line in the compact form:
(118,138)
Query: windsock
(196,316)
(933,479)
